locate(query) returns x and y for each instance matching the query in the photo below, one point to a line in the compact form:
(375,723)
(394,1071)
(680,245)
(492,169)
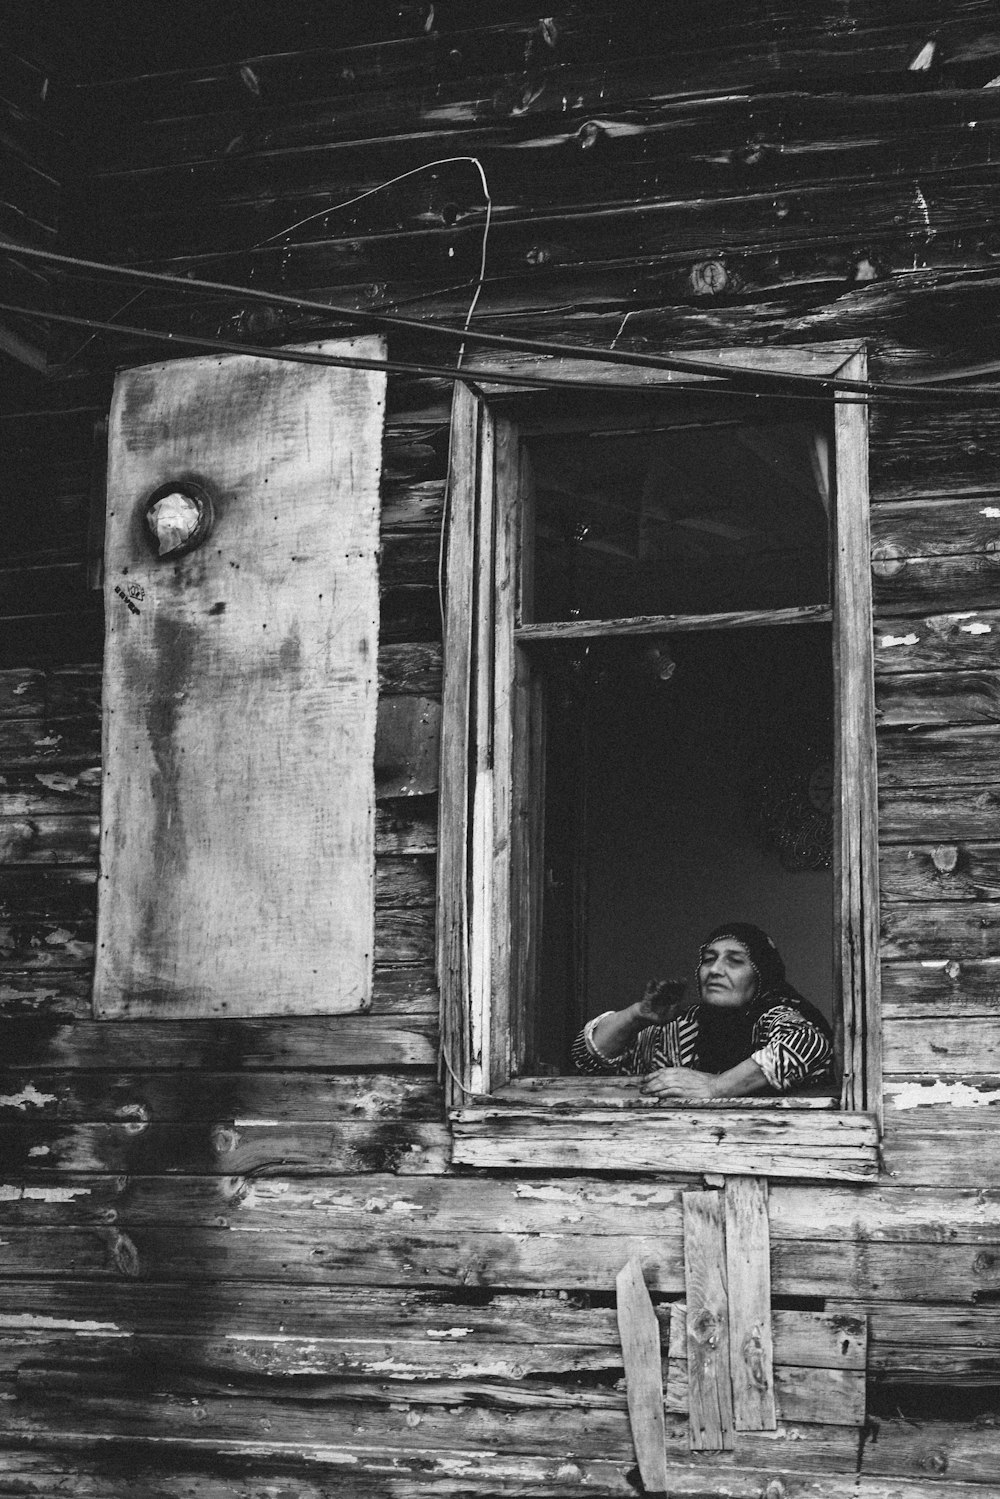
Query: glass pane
(699,519)
(683,787)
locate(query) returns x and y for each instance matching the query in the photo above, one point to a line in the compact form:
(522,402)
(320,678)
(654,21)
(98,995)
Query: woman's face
(726,977)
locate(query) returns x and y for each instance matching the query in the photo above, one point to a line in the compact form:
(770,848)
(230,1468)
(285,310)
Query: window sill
(605,1124)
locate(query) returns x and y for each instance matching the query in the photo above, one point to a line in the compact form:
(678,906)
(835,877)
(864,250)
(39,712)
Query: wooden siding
(236,1258)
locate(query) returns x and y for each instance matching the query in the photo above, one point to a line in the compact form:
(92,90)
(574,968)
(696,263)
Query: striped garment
(788,1048)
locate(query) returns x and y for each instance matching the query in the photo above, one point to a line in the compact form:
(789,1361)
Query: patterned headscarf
(725,1036)
(765,959)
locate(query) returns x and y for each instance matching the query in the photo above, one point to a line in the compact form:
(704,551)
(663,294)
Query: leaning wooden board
(237,847)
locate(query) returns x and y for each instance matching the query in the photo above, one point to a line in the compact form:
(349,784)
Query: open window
(658,714)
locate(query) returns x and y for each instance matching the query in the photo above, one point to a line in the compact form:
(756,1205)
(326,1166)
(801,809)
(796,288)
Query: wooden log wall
(235,1258)
(32,164)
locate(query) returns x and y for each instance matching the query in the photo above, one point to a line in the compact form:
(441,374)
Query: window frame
(490,843)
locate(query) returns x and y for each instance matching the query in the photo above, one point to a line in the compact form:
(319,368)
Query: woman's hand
(683,1083)
(661,1000)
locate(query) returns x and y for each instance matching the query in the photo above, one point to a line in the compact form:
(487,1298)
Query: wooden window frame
(488,912)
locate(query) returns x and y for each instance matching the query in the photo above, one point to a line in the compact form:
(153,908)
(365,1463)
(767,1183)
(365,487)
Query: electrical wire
(747,377)
(471,374)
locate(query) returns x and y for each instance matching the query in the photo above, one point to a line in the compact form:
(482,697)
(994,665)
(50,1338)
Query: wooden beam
(813,1144)
(748,1272)
(710,1411)
(452,951)
(640,1335)
(670,624)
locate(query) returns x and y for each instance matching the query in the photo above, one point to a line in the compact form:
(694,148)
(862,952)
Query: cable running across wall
(741,376)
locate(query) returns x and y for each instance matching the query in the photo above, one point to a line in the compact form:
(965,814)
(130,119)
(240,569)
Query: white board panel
(237,839)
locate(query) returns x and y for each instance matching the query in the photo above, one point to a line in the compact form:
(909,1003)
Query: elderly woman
(751,1032)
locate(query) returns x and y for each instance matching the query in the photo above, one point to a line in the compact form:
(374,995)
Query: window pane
(683,787)
(704,518)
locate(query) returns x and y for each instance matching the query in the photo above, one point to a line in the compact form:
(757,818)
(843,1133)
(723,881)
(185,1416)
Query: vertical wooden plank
(856,845)
(640,1335)
(528,781)
(481,884)
(240,692)
(748,1273)
(710,1413)
(506,496)
(453,858)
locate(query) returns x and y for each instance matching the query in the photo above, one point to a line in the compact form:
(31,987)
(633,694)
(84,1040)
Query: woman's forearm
(741,1081)
(615,1032)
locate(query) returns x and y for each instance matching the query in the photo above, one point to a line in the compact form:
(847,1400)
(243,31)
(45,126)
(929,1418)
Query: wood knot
(224,1139)
(708,278)
(125,1256)
(588,135)
(775,1489)
(887,560)
(703,1327)
(945,858)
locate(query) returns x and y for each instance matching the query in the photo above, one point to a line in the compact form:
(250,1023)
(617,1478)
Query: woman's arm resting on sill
(741,1081)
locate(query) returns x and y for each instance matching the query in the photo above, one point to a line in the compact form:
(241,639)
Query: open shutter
(237,840)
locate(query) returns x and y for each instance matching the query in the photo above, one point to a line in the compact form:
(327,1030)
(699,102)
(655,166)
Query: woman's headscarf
(725,1036)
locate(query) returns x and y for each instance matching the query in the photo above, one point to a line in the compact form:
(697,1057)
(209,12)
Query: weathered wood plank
(28,692)
(403,934)
(942,986)
(829,1146)
(938,697)
(855,853)
(281,922)
(182,1047)
(816,1394)
(969,641)
(70,838)
(155,1098)
(941,929)
(407,746)
(410,669)
(409,989)
(371,1424)
(452,945)
(710,1395)
(964,1450)
(641,1358)
(946,756)
(397,1254)
(431,1320)
(939,1047)
(945,813)
(411,1147)
(445,1474)
(920,1344)
(934,1146)
(415,506)
(323,1324)
(51,993)
(59,743)
(941,871)
(61,894)
(748,1277)
(592,1207)
(293,1358)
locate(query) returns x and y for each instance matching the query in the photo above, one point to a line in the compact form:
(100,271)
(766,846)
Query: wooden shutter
(237,840)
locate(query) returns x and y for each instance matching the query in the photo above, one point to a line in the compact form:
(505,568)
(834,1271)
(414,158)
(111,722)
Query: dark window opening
(688,779)
(687,776)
